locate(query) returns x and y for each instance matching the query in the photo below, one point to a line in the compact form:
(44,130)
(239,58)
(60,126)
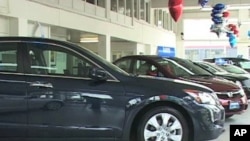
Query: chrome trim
(70,77)
(12,73)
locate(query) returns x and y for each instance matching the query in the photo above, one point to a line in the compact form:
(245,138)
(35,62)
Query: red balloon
(175,8)
(236,32)
(174,2)
(226,14)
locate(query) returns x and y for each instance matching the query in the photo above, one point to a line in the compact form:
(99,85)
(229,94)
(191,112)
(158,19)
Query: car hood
(215,83)
(169,84)
(235,77)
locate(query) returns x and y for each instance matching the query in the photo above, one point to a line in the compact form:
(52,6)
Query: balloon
(236,32)
(232,39)
(217,20)
(217,11)
(203,2)
(219,6)
(217,15)
(175,2)
(175,9)
(226,14)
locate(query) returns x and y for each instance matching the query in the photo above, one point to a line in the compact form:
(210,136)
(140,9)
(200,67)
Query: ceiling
(193,4)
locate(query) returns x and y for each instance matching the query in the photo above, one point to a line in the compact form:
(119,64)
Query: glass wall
(136,9)
(113,5)
(200,54)
(140,9)
(129,8)
(100,3)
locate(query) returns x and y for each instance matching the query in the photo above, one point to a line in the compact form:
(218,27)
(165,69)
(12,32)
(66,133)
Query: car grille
(229,95)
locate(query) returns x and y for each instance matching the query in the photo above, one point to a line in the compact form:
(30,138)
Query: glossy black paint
(42,107)
(182,69)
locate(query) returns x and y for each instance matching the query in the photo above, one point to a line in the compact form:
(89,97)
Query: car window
(8,57)
(55,60)
(173,68)
(190,66)
(124,64)
(142,67)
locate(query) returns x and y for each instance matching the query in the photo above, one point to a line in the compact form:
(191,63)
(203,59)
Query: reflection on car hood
(239,77)
(215,83)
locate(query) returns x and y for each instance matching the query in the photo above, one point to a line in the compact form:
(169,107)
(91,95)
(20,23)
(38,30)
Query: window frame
(28,65)
(19,58)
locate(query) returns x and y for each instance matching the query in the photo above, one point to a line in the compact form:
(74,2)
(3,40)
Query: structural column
(104,47)
(18,27)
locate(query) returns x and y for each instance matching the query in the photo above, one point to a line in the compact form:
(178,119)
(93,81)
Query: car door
(13,102)
(64,102)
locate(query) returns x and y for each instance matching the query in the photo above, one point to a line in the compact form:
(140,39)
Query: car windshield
(233,69)
(184,67)
(245,64)
(216,68)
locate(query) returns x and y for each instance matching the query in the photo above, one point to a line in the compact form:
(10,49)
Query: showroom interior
(116,28)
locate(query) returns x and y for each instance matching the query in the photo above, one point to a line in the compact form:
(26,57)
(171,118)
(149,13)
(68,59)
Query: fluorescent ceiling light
(89,40)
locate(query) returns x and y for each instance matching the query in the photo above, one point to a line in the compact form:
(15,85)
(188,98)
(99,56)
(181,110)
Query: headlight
(203,97)
(238,83)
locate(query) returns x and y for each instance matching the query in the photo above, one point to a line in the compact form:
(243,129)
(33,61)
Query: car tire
(158,129)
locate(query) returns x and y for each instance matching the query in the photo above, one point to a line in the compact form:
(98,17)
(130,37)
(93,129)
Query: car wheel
(163,124)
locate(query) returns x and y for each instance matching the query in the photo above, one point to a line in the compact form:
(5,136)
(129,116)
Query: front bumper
(243,105)
(208,121)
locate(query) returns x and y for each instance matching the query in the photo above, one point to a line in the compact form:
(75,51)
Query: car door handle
(41,85)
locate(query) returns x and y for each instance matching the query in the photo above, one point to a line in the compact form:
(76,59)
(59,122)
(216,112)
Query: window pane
(101,3)
(136,8)
(124,65)
(121,8)
(53,60)
(8,57)
(91,1)
(113,5)
(142,10)
(128,7)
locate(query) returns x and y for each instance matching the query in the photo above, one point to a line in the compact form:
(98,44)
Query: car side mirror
(98,74)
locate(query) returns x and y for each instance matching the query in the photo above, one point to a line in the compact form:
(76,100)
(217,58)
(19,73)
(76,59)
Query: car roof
(229,58)
(27,38)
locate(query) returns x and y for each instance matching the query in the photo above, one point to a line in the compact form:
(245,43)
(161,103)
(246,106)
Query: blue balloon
(203,2)
(216,15)
(217,20)
(217,11)
(232,44)
(219,6)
